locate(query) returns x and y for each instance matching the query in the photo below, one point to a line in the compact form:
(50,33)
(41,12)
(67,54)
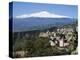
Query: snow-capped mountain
(42,14)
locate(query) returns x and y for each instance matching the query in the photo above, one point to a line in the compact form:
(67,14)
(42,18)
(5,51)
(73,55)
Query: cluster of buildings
(61,37)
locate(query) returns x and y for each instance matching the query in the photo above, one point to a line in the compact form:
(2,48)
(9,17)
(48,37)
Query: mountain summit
(42,14)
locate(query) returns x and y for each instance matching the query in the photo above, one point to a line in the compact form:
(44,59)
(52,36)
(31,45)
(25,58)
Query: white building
(42,34)
(52,43)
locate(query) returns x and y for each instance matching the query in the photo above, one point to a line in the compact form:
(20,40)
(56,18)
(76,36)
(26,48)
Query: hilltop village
(56,41)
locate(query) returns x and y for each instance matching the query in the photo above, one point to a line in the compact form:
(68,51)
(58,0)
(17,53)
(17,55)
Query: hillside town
(60,39)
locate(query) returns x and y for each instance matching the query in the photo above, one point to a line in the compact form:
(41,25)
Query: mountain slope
(31,23)
(42,14)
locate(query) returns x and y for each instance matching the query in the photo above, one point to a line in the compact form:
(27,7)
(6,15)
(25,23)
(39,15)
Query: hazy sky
(20,8)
